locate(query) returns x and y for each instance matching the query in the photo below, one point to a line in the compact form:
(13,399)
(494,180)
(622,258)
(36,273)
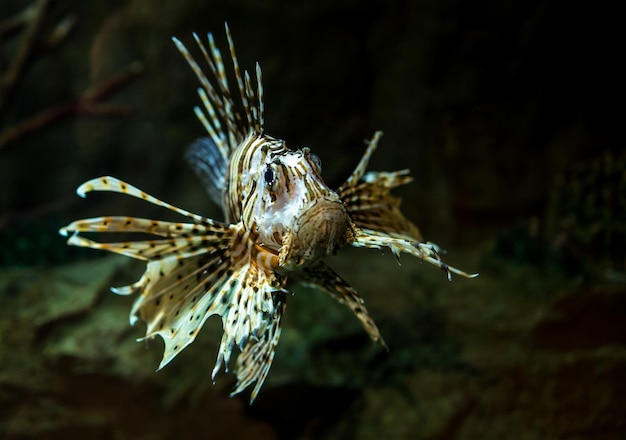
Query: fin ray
(358,172)
(195,272)
(326,279)
(424,251)
(370,204)
(368,200)
(254,362)
(226,126)
(112,184)
(135,224)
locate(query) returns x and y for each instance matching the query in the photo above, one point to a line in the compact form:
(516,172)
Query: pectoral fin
(424,251)
(368,200)
(195,270)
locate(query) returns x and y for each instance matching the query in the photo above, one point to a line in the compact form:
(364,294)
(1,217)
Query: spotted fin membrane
(196,270)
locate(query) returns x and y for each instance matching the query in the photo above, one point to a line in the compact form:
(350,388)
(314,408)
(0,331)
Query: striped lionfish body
(281,220)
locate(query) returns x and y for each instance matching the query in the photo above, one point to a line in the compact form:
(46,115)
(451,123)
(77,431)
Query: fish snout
(321,229)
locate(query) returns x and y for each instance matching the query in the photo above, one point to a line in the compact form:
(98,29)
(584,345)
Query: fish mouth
(321,229)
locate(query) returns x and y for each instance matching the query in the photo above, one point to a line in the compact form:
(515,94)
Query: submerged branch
(88,103)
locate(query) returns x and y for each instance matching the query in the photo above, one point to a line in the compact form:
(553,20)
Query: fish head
(290,206)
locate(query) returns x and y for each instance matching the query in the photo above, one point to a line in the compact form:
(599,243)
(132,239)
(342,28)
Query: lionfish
(281,220)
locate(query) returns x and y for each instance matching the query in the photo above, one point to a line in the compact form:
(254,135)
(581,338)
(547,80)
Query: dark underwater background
(510,118)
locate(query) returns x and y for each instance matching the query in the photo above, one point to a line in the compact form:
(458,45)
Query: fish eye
(269,176)
(316,161)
